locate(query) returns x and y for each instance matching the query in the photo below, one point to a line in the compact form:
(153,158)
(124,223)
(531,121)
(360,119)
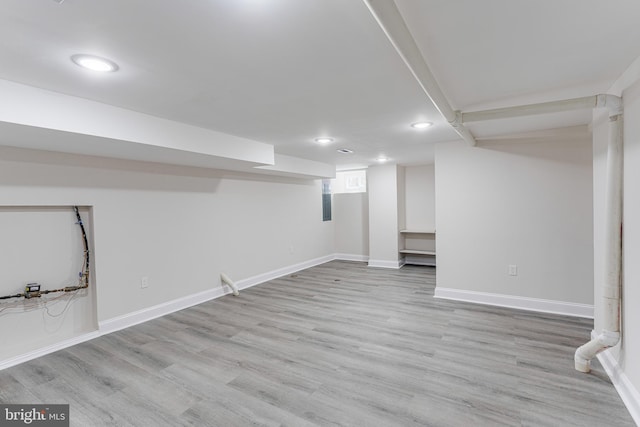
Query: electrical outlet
(513,270)
(144,282)
(290,249)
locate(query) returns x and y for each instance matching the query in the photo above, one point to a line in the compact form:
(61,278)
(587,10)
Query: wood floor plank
(339,344)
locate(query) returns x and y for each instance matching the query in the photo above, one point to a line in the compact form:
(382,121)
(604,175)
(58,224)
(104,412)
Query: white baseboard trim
(627,391)
(265,277)
(4,364)
(140,316)
(351,257)
(130,319)
(379,263)
(521,303)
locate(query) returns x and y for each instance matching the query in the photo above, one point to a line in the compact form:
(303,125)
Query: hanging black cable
(84,274)
(12,296)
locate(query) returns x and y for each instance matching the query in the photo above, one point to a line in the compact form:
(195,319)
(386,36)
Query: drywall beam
(296,167)
(80,126)
(587,102)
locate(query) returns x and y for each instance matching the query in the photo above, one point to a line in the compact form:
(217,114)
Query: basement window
(354,181)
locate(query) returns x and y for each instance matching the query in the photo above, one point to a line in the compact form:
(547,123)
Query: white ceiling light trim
(324,140)
(421,125)
(94,63)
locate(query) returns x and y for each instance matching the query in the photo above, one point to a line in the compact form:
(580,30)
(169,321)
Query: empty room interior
(320,212)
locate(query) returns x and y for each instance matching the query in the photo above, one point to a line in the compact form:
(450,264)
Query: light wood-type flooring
(337,344)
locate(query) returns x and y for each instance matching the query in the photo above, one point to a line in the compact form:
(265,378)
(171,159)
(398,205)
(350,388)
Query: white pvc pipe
(390,20)
(610,334)
(612,102)
(228,281)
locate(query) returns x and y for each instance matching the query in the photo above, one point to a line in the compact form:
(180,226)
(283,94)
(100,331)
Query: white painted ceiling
(286,71)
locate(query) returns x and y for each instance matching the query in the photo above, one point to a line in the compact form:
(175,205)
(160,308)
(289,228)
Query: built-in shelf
(409,231)
(418,246)
(417,252)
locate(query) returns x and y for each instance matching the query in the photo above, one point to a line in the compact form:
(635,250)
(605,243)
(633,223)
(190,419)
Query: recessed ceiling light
(94,63)
(344,151)
(421,125)
(323,140)
(382,159)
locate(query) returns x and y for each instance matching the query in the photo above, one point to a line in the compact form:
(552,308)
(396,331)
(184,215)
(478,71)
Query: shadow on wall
(543,144)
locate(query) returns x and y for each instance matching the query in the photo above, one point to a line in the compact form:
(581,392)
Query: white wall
(630,350)
(351,224)
(402,203)
(179,226)
(420,191)
(516,202)
(382,183)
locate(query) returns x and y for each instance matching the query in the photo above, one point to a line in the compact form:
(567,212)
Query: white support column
(382,183)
